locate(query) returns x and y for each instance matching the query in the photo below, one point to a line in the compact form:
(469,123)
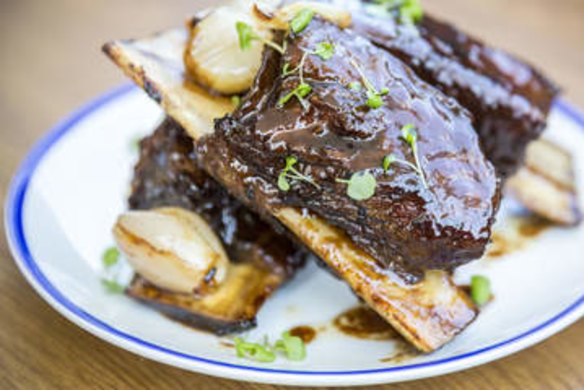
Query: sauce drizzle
(364,323)
(306,333)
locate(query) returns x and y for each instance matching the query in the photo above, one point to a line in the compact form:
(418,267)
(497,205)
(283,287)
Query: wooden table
(51,63)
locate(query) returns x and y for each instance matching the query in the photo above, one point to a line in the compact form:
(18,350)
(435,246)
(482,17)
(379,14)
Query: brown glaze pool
(517,233)
(362,322)
(306,333)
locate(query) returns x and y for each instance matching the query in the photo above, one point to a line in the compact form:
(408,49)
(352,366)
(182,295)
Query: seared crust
(405,225)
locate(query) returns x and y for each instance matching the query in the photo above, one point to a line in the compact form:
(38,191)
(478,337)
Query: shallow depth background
(51,63)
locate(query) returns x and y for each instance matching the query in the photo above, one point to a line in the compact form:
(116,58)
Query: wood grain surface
(51,63)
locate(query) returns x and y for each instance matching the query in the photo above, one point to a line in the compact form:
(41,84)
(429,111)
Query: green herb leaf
(325,50)
(236,100)
(303,89)
(110,257)
(373,97)
(361,185)
(289,172)
(299,92)
(384,91)
(290,162)
(246,35)
(283,182)
(286,98)
(293,346)
(374,100)
(480,289)
(286,69)
(301,20)
(409,134)
(253,351)
(112,286)
(411,11)
(355,86)
(388,160)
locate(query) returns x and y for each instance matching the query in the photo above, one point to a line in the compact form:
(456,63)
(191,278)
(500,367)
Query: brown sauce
(362,322)
(533,226)
(306,333)
(403,352)
(516,235)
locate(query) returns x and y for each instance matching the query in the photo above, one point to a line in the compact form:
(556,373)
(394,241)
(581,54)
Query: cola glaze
(405,225)
(509,99)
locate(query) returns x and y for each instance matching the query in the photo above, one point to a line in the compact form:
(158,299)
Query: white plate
(68,191)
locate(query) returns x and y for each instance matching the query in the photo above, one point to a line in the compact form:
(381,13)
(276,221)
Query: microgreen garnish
(374,99)
(480,289)
(109,259)
(324,50)
(289,172)
(301,20)
(361,185)
(388,160)
(409,11)
(292,346)
(392,158)
(410,136)
(286,69)
(236,100)
(253,351)
(247,35)
(299,93)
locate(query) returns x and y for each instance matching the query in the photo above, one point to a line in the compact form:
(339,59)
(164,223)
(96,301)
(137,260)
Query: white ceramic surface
(67,193)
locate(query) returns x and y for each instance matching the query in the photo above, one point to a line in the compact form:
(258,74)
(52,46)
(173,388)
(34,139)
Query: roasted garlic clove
(546,183)
(213,56)
(173,248)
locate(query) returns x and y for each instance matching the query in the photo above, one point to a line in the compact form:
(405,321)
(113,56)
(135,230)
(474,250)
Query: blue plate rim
(19,247)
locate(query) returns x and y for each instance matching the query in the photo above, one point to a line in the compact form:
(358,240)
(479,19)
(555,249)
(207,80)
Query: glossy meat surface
(508,98)
(405,225)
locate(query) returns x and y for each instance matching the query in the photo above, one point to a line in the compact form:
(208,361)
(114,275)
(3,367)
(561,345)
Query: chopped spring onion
(480,289)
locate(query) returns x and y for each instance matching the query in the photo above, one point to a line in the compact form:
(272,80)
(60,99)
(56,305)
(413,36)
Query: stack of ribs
(475,110)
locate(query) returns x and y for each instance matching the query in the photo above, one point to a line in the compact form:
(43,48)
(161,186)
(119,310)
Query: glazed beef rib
(509,99)
(406,225)
(428,314)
